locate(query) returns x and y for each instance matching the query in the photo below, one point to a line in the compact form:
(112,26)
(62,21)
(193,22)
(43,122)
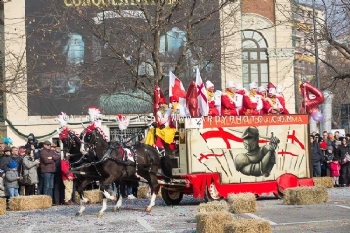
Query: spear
(285,149)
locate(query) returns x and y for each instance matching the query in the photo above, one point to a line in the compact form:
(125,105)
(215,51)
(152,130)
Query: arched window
(254,58)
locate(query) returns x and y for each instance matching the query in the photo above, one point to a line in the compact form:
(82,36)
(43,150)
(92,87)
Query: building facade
(256,46)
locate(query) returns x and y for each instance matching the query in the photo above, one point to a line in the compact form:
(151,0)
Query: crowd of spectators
(330,155)
(37,168)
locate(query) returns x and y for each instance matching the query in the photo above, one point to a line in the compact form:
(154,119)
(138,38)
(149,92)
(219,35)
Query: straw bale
(94,196)
(2,206)
(242,203)
(326,182)
(212,222)
(248,226)
(30,202)
(305,195)
(218,206)
(159,195)
(142,192)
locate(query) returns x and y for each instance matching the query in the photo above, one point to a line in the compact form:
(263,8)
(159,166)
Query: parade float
(263,154)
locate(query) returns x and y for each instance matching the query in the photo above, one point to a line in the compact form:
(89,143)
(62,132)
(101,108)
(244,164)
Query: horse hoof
(148,209)
(78,214)
(116,209)
(99,214)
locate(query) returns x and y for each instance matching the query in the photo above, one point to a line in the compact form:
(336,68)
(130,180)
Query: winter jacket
(328,157)
(335,169)
(316,153)
(343,150)
(34,142)
(11,180)
(48,165)
(5,162)
(2,187)
(65,167)
(19,161)
(30,168)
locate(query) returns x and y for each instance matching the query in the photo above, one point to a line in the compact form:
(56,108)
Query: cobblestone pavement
(332,216)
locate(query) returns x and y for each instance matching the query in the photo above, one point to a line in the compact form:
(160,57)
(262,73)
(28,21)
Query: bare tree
(121,48)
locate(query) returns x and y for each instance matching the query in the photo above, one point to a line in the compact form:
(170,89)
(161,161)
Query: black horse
(82,165)
(113,165)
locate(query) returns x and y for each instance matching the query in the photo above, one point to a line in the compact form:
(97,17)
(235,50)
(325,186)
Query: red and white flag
(176,87)
(202,95)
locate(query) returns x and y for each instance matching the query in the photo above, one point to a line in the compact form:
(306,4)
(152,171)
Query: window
(132,132)
(254,59)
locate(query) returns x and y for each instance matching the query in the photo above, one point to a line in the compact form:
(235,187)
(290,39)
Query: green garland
(26,136)
(55,131)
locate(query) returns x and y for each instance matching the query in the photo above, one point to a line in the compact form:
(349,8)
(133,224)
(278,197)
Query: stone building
(256,45)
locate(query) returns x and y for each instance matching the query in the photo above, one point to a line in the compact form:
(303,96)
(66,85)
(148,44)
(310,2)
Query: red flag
(192,101)
(176,87)
(157,94)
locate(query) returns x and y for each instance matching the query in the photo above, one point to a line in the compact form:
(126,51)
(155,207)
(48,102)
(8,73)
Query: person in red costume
(252,102)
(166,131)
(262,91)
(230,101)
(272,106)
(213,111)
(175,110)
(67,178)
(263,94)
(280,97)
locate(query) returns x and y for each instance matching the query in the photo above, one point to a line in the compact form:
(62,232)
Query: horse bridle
(72,143)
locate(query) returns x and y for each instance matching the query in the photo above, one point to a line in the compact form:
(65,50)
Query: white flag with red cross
(202,95)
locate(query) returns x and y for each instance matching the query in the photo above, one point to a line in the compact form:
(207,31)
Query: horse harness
(106,156)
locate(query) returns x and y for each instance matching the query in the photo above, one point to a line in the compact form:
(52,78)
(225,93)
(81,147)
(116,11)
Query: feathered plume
(62,119)
(123,122)
(95,116)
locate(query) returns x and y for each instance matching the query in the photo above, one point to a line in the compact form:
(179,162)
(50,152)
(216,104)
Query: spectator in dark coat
(48,168)
(58,182)
(317,156)
(32,143)
(6,159)
(344,154)
(37,156)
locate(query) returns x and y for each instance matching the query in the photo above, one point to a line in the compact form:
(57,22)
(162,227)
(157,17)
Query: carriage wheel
(171,197)
(212,193)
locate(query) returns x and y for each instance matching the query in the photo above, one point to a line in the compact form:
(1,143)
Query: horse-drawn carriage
(222,155)
(216,156)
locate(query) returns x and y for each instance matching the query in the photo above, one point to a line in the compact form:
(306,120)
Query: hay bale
(77,197)
(326,182)
(142,192)
(212,222)
(213,206)
(94,196)
(242,203)
(2,206)
(305,195)
(248,226)
(30,202)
